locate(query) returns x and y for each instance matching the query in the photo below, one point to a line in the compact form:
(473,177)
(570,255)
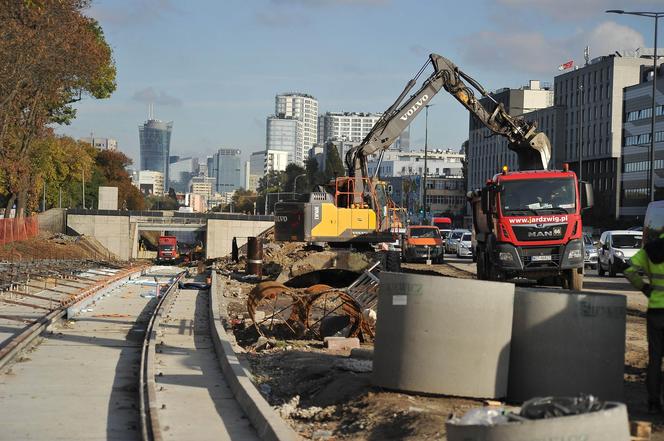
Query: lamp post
(426,148)
(295,182)
(580,103)
(656,16)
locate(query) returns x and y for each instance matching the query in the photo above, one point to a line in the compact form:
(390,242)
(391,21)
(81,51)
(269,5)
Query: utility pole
(83,185)
(426,148)
(44,200)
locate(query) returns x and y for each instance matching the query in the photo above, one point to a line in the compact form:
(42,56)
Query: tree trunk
(10,205)
(22,201)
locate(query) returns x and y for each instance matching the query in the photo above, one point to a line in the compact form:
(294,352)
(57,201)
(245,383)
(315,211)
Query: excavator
(357,208)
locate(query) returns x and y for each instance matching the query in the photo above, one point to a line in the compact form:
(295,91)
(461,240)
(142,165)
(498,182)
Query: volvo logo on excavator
(414,108)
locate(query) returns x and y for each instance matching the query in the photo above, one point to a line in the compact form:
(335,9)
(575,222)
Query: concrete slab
(189,372)
(81,382)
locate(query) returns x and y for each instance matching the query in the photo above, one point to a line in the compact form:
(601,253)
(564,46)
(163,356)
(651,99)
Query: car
(616,247)
(464,246)
(453,239)
(422,242)
(590,252)
(444,233)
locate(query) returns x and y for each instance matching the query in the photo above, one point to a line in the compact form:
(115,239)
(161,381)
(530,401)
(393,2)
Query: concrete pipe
(608,424)
(254,256)
(564,344)
(442,335)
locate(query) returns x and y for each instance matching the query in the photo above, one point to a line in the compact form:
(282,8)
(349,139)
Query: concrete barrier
(609,424)
(566,343)
(268,425)
(443,335)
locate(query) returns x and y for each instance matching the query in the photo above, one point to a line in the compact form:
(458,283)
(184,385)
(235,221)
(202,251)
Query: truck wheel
(391,261)
(573,279)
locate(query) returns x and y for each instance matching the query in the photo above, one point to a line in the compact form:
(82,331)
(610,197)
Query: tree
(112,167)
(333,165)
(161,203)
(315,177)
(51,55)
(243,201)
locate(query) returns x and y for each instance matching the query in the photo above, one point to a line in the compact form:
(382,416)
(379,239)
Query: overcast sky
(214,67)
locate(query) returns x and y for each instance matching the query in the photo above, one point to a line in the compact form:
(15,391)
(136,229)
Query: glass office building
(155,139)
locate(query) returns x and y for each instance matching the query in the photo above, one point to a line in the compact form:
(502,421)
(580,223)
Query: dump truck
(167,249)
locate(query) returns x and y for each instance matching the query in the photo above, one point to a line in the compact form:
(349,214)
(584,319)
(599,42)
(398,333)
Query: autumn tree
(51,55)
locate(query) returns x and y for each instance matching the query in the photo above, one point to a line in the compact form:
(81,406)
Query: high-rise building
(228,164)
(155,140)
(284,134)
(592,100)
(102,143)
(637,132)
(304,108)
(349,126)
(486,153)
(211,170)
(202,185)
(181,172)
(439,163)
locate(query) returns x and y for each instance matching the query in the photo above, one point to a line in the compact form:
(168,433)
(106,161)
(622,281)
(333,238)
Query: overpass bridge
(119,230)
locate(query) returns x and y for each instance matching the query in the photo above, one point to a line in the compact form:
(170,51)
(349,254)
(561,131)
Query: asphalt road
(592,283)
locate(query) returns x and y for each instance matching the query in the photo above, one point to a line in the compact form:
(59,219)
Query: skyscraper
(229,170)
(155,139)
(303,108)
(284,134)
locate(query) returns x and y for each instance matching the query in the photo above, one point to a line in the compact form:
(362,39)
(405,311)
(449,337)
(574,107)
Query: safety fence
(18,229)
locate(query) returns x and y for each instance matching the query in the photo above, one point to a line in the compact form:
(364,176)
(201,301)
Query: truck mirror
(485,200)
(587,196)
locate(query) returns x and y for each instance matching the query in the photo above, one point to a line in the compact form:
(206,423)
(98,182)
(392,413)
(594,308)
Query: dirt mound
(58,246)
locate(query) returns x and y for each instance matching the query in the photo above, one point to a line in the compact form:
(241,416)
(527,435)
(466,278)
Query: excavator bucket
(534,152)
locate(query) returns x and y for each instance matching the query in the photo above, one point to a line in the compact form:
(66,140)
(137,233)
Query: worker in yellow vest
(649,263)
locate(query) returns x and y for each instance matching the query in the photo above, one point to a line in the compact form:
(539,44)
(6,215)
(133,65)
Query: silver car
(590,252)
(453,240)
(464,246)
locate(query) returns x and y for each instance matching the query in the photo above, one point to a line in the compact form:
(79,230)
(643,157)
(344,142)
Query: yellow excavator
(357,208)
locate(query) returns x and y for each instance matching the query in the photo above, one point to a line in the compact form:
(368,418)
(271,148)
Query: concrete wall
(220,233)
(111,231)
(52,220)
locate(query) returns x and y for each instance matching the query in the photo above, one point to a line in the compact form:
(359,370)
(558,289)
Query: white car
(616,248)
(464,246)
(453,240)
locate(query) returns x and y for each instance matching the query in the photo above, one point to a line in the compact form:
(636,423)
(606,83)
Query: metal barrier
(20,228)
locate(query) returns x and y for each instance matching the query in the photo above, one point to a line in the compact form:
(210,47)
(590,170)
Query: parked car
(421,242)
(590,252)
(453,239)
(465,246)
(616,247)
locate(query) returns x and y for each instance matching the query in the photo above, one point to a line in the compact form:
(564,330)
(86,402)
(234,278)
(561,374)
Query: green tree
(334,167)
(315,177)
(161,203)
(51,55)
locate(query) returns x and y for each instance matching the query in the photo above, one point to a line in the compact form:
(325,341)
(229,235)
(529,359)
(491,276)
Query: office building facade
(439,163)
(637,132)
(592,100)
(155,142)
(228,165)
(150,183)
(181,172)
(285,134)
(101,143)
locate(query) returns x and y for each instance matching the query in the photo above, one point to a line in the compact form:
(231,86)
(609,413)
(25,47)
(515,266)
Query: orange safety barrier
(15,229)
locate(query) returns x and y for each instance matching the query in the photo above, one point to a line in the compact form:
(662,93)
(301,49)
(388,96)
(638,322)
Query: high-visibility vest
(641,266)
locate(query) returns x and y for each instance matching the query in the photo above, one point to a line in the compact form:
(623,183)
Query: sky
(214,67)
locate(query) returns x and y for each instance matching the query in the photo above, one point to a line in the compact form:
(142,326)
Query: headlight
(575,254)
(506,257)
(618,253)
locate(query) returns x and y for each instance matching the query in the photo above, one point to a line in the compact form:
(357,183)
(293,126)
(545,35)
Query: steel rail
(150,428)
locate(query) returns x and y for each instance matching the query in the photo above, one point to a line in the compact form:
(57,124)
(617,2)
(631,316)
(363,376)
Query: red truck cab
(167,249)
(528,225)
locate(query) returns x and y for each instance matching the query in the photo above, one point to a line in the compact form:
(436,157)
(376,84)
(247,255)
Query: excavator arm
(532,147)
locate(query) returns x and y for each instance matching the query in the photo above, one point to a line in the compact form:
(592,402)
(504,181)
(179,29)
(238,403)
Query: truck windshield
(424,232)
(166,247)
(538,196)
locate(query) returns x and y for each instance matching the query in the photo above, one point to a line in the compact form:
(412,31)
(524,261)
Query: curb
(268,424)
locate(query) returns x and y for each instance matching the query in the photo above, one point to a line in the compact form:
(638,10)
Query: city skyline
(216,77)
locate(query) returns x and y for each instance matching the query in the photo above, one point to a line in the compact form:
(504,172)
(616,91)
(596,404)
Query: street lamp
(656,16)
(426,147)
(295,182)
